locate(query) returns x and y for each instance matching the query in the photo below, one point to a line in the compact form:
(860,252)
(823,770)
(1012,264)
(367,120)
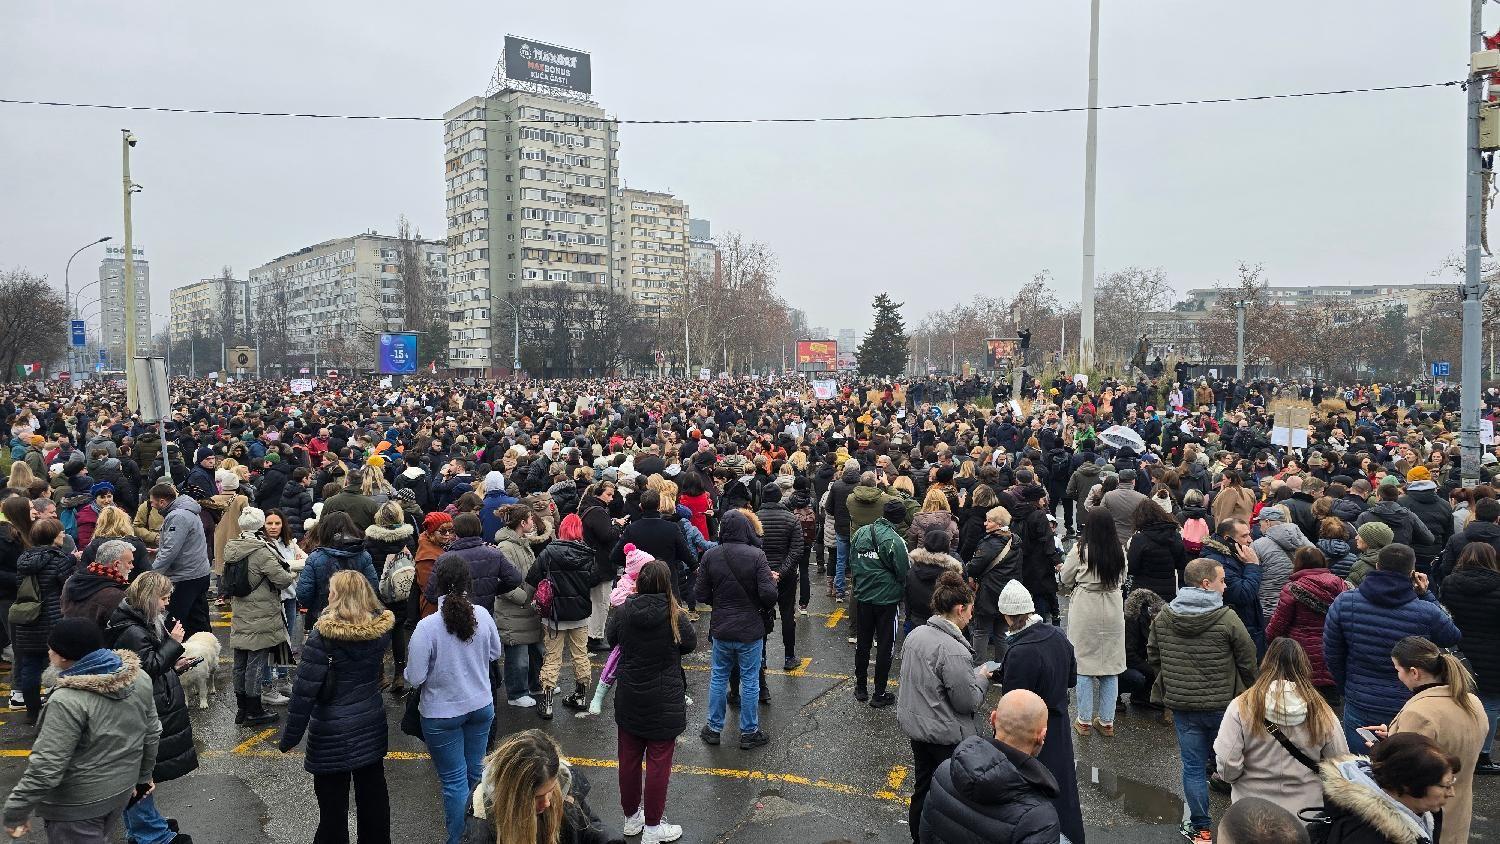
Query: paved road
(835,770)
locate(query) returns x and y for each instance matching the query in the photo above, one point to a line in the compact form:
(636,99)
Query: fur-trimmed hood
(1143,599)
(399,533)
(367,631)
(920,556)
(1348,787)
(115,684)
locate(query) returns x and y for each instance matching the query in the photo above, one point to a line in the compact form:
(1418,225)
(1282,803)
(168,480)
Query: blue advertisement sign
(1441,368)
(103,356)
(78,333)
(398,354)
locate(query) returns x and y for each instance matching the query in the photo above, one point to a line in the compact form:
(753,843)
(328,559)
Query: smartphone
(990,667)
(192,663)
(135,796)
(1368,736)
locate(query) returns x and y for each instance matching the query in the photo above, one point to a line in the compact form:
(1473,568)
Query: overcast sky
(1358,188)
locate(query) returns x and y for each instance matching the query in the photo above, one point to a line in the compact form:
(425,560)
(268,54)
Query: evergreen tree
(886,348)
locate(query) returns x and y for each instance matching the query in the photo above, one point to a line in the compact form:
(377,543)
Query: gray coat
(1275,548)
(183,552)
(258,621)
(515,618)
(940,690)
(1121,502)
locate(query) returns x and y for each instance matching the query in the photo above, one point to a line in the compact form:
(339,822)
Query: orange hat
(1418,473)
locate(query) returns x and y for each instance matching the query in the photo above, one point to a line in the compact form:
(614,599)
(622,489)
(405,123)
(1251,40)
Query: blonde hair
(903,483)
(21,476)
(523,763)
(1284,672)
(966,469)
(113,521)
(935,502)
(143,592)
(390,514)
(668,493)
(350,598)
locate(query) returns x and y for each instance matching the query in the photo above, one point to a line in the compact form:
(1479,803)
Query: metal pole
(515,351)
(193,356)
(257,358)
(952,355)
(687,347)
(161,433)
(1473,287)
(1239,340)
(127,141)
(1090,156)
(68,301)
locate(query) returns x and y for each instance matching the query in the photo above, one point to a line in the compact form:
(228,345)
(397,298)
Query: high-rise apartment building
(197,309)
(653,248)
(531,170)
(703,253)
(112,301)
(337,296)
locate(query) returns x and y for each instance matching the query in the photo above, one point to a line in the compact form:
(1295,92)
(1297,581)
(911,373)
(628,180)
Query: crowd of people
(1311,620)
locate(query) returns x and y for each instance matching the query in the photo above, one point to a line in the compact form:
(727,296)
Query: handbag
(411,716)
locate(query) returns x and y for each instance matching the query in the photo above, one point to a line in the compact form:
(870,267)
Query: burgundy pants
(658,758)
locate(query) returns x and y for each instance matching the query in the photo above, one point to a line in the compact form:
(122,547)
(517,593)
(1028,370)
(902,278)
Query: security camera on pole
(1483,136)
(127,141)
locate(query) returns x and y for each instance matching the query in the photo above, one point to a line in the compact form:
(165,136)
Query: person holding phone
(141,624)
(940,688)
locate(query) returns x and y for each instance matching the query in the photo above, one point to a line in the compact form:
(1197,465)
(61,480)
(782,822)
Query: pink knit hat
(635,558)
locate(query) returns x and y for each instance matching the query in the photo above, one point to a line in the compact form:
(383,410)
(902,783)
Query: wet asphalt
(835,770)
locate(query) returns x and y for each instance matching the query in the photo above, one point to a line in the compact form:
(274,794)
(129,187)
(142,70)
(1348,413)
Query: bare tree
(1122,299)
(271,328)
(230,306)
(33,321)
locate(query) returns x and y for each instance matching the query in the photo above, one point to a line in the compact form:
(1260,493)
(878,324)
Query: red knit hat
(434,520)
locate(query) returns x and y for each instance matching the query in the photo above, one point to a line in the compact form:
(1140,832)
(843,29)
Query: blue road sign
(78,333)
(103,357)
(1440,369)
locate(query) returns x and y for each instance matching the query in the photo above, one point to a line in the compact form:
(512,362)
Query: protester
(95,591)
(652,634)
(737,581)
(515,618)
(340,547)
(1279,540)
(336,703)
(1302,609)
(1472,595)
(878,558)
(1155,554)
(257,626)
(1231,547)
(940,688)
(996,562)
(183,556)
(783,544)
(47,568)
(567,565)
(137,625)
(1096,620)
(437,532)
(96,745)
(1396,796)
(529,793)
(1254,820)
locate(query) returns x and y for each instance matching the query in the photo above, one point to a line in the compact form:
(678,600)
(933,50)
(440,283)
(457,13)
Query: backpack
(68,517)
(1194,531)
(544,597)
(27,608)
(397,576)
(809,522)
(237,578)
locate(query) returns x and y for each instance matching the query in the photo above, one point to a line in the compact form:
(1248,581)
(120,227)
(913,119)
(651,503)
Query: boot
(579,699)
(256,714)
(33,705)
(596,706)
(544,704)
(239,708)
(398,685)
(1486,766)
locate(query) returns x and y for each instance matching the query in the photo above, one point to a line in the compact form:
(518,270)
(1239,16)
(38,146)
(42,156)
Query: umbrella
(1120,436)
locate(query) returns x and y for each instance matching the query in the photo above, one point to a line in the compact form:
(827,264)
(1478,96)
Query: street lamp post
(68,302)
(1239,340)
(515,352)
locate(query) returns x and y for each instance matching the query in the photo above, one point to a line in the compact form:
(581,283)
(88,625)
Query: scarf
(107,573)
(102,661)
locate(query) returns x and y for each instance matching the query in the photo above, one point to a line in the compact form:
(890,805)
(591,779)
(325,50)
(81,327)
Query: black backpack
(237,578)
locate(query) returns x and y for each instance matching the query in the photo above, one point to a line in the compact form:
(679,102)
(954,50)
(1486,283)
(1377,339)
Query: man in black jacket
(660,538)
(736,579)
(1432,510)
(838,497)
(1482,528)
(995,790)
(781,535)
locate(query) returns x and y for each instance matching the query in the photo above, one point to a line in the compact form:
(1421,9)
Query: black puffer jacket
(993,571)
(296,505)
(52,568)
(649,683)
(350,731)
(990,793)
(838,498)
(781,539)
(10,552)
(129,630)
(1155,558)
(493,572)
(1039,556)
(1408,529)
(268,489)
(659,537)
(601,535)
(735,579)
(921,580)
(571,565)
(1475,531)
(1437,515)
(1473,598)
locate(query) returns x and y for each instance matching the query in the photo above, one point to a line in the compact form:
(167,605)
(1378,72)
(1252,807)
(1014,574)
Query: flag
(432,367)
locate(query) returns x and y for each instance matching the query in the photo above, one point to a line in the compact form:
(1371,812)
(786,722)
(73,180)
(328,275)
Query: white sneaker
(660,833)
(853,640)
(635,823)
(274,698)
(524,702)
(17,701)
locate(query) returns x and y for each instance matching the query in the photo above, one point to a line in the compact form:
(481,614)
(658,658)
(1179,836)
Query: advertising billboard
(398,354)
(1000,351)
(817,354)
(534,63)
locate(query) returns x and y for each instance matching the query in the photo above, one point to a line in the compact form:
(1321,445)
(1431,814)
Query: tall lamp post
(687,342)
(515,351)
(68,301)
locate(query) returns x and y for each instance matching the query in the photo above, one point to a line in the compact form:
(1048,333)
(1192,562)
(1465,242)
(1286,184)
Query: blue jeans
(841,561)
(1109,694)
(145,824)
(747,655)
(523,667)
(1196,732)
(1491,713)
(457,746)
(1353,719)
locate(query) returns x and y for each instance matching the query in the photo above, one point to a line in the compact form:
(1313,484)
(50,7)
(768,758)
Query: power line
(751,120)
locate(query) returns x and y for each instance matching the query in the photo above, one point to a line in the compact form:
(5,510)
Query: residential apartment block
(112,301)
(653,236)
(197,308)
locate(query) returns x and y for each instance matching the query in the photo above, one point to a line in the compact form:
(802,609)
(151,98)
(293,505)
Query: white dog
(201,676)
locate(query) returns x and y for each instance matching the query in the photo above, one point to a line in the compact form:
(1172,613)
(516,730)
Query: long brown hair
(17,511)
(1420,652)
(453,583)
(656,579)
(523,763)
(1285,661)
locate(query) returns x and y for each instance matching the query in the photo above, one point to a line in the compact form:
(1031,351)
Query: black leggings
(786,601)
(877,622)
(372,806)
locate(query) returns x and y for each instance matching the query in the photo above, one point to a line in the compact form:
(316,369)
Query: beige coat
(1255,764)
(229,524)
(1434,714)
(1096,620)
(1235,502)
(148,524)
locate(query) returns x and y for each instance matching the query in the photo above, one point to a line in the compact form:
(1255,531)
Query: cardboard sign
(302,385)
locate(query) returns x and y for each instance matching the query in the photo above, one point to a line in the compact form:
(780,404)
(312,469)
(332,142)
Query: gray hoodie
(1195,600)
(183,554)
(1275,548)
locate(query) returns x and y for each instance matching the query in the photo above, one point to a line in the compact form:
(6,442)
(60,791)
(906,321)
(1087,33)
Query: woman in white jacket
(1253,760)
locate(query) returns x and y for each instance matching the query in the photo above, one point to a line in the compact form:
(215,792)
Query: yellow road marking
(254,740)
(16,754)
(800,670)
(834,618)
